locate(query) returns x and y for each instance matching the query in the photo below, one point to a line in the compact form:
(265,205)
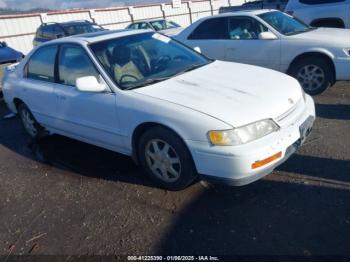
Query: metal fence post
(162,7)
(43,18)
(92,15)
(211,7)
(189,6)
(131,13)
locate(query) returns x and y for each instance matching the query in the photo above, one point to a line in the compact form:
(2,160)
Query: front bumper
(342,68)
(233,164)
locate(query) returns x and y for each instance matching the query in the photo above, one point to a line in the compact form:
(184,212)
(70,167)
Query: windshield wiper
(152,81)
(192,67)
(301,31)
(147,82)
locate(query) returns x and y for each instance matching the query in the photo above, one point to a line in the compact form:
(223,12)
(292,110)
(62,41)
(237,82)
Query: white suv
(321,13)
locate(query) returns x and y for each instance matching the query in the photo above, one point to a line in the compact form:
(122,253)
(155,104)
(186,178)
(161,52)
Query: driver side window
(74,63)
(244,28)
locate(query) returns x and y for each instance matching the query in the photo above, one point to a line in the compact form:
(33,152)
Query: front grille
(291,114)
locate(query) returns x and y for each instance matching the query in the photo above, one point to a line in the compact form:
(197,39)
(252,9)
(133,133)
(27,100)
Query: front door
(244,45)
(85,115)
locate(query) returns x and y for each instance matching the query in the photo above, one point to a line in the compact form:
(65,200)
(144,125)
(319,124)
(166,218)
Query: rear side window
(133,26)
(57,31)
(144,26)
(215,28)
(41,66)
(81,28)
(47,32)
(39,33)
(317,2)
(74,63)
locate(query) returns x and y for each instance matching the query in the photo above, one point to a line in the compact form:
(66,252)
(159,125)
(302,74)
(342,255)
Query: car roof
(75,22)
(150,20)
(97,36)
(246,12)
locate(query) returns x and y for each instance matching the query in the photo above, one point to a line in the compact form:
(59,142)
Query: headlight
(242,134)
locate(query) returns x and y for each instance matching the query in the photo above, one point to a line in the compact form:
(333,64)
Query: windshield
(76,29)
(142,59)
(284,23)
(163,25)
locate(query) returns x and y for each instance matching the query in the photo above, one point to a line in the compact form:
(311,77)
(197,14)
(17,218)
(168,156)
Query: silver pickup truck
(253,5)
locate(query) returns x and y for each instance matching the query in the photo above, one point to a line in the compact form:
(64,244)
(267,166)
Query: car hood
(8,54)
(237,94)
(331,35)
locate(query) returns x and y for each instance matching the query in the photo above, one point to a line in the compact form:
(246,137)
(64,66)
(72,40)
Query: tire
(166,159)
(30,125)
(314,73)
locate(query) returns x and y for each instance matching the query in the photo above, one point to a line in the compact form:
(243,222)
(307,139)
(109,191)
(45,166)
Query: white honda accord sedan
(177,113)
(317,57)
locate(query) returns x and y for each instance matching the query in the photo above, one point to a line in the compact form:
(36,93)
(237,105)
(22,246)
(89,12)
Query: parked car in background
(317,57)
(163,26)
(321,13)
(8,54)
(254,5)
(174,111)
(50,31)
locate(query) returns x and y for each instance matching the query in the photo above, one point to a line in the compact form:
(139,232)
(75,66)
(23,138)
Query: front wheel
(315,74)
(166,159)
(32,127)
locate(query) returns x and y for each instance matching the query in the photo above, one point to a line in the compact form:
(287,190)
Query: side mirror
(267,36)
(198,49)
(3,44)
(89,84)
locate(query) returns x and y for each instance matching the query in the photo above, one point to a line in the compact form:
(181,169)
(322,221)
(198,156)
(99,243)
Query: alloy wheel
(163,160)
(28,122)
(311,77)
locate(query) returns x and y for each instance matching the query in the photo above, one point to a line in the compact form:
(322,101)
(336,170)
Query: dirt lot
(65,197)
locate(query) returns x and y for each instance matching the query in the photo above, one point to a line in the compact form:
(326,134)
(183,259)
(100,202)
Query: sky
(66,4)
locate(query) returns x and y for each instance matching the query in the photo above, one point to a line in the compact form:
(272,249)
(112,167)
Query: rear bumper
(233,165)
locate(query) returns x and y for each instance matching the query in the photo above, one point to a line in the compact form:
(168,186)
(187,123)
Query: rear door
(210,36)
(37,84)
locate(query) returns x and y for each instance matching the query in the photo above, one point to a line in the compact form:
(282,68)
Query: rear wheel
(315,74)
(166,159)
(32,127)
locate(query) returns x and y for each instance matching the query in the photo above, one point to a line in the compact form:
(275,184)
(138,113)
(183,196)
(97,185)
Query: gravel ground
(65,197)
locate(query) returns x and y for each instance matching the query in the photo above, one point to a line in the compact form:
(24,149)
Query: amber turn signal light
(264,162)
